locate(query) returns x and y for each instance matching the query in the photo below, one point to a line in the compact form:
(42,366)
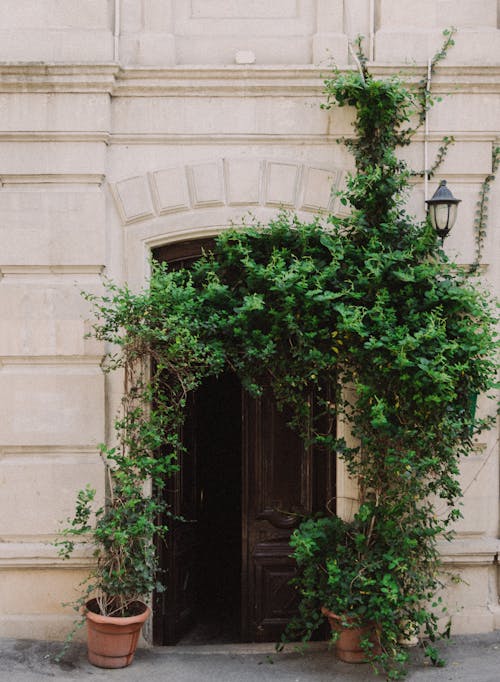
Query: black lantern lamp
(442,210)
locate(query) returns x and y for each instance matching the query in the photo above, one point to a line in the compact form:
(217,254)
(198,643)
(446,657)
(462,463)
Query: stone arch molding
(210,192)
(230,182)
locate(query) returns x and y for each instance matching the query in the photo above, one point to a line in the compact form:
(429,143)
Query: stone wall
(125,125)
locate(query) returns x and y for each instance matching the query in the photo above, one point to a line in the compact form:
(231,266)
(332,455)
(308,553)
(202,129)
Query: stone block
(184,115)
(53,627)
(31,295)
(158,15)
(40,112)
(404,14)
(52,227)
(476,47)
(243,9)
(148,49)
(50,30)
(42,338)
(170,190)
(52,158)
(53,587)
(331,14)
(475,590)
(472,47)
(478,474)
(356,17)
(329,49)
(415,204)
(243,180)
(318,188)
(222,49)
(131,16)
(460,243)
(133,199)
(56,45)
(282,183)
(206,184)
(46,315)
(70,14)
(52,405)
(463,158)
(296,115)
(50,481)
(472,621)
(461,112)
(466,13)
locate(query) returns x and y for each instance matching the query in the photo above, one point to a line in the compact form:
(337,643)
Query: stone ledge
(196,81)
(51,179)
(50,270)
(470,551)
(41,555)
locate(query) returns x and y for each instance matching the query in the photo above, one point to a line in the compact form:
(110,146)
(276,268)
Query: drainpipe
(371,55)
(116,32)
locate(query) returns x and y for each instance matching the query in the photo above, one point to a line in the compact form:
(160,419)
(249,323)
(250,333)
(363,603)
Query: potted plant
(160,365)
(124,573)
(357,575)
(338,578)
(121,531)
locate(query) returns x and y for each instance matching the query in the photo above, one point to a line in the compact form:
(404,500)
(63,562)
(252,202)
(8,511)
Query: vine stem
(356,59)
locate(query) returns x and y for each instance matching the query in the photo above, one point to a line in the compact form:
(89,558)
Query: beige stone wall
(129,124)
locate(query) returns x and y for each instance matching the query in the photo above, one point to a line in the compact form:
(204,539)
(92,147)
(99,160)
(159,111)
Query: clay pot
(111,640)
(348,645)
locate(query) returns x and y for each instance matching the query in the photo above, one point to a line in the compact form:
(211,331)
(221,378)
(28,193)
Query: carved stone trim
(274,80)
(227,182)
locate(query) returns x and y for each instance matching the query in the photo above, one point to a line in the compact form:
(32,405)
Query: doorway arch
(244,482)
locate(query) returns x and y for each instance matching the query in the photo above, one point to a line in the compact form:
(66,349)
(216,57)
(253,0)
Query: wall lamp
(442,209)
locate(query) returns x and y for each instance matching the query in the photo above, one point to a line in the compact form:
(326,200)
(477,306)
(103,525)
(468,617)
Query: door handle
(280,519)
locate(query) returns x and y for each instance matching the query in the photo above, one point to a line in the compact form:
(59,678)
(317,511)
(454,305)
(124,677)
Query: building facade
(128,125)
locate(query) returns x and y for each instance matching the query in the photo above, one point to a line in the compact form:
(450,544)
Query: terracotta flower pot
(348,645)
(111,640)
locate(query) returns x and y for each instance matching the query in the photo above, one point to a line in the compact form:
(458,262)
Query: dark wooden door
(283,480)
(278,481)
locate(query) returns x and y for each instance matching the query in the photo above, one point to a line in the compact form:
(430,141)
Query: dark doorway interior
(213,427)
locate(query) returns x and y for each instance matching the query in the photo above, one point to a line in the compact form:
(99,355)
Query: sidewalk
(470,659)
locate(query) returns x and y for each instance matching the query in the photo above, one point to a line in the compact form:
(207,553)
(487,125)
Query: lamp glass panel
(441,216)
(453,215)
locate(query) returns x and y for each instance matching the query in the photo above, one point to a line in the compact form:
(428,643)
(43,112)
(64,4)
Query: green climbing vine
(425,98)
(363,317)
(481,214)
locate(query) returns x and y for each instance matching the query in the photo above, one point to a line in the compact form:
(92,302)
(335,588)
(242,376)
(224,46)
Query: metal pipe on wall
(116,32)
(372,30)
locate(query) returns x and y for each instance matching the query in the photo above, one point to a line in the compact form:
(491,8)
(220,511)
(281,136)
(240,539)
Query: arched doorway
(244,483)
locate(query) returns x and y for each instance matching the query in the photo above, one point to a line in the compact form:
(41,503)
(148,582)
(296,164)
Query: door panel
(175,612)
(278,489)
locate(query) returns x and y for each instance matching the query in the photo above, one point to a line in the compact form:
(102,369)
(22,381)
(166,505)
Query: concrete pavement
(470,659)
